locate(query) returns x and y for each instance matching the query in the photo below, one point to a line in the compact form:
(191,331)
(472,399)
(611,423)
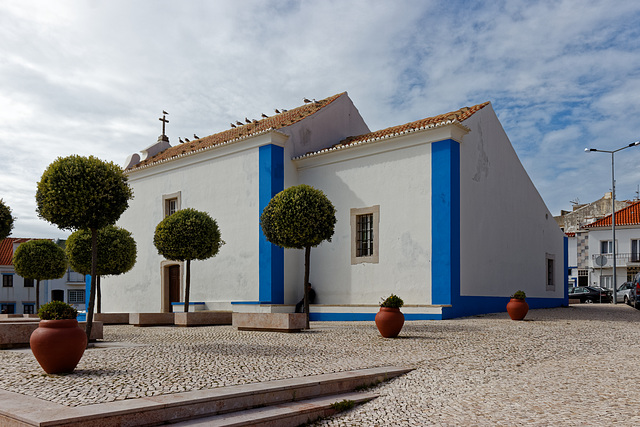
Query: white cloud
(92,77)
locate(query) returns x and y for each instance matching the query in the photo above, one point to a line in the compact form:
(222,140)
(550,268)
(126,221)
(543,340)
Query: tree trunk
(307,257)
(99,295)
(186,287)
(37,295)
(92,292)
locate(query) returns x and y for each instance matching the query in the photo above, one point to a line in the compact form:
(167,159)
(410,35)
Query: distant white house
(627,247)
(573,223)
(18,295)
(439,211)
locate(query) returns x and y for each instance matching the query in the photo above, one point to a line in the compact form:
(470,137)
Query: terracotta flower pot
(517,308)
(389,321)
(58,345)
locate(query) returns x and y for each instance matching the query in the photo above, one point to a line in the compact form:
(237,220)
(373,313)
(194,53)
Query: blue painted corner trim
(445,222)
(271,182)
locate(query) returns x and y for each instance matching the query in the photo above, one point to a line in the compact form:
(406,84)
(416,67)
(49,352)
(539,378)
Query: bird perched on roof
(181,141)
(164,112)
(196,136)
(255,121)
(264,115)
(284,111)
(232,125)
(186,139)
(238,122)
(315,102)
(277,111)
(306,101)
(247,120)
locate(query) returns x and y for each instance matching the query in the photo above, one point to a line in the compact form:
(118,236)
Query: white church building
(439,211)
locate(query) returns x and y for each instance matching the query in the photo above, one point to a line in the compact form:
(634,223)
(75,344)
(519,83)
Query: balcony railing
(622,259)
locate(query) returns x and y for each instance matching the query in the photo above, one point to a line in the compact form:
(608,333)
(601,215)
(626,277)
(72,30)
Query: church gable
(286,121)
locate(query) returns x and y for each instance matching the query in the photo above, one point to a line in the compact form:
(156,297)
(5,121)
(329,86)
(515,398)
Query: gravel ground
(564,366)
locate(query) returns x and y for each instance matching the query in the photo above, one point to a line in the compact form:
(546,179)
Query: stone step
(17,409)
(282,415)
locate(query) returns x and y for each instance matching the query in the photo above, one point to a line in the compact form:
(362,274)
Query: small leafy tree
(186,235)
(116,254)
(77,192)
(6,220)
(39,260)
(299,217)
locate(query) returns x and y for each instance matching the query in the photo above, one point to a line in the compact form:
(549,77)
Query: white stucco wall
(506,228)
(222,182)
(328,126)
(396,176)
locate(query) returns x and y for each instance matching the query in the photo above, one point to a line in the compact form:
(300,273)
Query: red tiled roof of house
(278,121)
(570,234)
(6,249)
(625,216)
(430,122)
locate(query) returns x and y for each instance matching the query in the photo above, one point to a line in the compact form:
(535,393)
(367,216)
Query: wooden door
(174,284)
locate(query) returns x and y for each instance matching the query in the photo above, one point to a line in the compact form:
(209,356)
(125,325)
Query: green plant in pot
(390,319)
(58,344)
(517,306)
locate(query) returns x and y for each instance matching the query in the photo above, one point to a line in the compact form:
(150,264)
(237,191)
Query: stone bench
(17,334)
(276,322)
(18,316)
(178,307)
(202,318)
(112,318)
(151,319)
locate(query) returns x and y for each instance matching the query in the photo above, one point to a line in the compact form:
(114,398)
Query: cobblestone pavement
(564,366)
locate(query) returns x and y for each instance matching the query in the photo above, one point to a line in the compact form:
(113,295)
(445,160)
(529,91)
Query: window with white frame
(365,239)
(7,280)
(171,203)
(76,296)
(635,250)
(74,276)
(606,247)
(606,282)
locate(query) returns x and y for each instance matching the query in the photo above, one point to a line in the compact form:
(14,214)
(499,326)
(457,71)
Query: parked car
(588,294)
(622,294)
(634,293)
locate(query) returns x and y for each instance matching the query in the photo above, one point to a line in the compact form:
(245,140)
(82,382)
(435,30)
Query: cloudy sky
(92,77)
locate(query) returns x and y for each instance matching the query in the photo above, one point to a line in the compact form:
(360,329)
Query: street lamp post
(613,210)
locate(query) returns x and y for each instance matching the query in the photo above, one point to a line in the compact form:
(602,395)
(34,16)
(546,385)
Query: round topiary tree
(39,260)
(299,217)
(77,192)
(186,235)
(116,254)
(6,220)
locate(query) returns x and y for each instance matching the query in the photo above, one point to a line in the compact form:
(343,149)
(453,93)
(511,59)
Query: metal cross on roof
(163,120)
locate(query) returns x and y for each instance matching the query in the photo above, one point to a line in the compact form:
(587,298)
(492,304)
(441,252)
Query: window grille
(76,296)
(364,235)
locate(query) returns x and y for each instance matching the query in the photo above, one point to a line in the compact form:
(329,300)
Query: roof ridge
(240,132)
(451,117)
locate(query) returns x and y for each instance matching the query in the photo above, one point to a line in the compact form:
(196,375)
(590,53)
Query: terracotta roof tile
(430,122)
(570,234)
(6,249)
(625,216)
(277,121)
